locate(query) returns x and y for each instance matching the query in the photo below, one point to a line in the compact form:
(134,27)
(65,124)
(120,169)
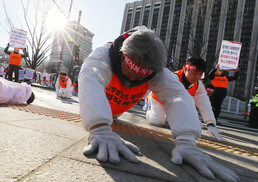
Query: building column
(249,84)
(142,12)
(237,34)
(206,30)
(222,22)
(124,18)
(193,27)
(170,23)
(133,15)
(151,13)
(160,17)
(180,29)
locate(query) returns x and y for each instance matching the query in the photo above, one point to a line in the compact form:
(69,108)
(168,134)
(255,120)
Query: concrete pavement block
(56,127)
(10,115)
(22,150)
(63,169)
(153,162)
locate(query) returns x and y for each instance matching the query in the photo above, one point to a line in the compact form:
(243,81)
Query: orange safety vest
(191,90)
(220,81)
(15,59)
(63,84)
(122,98)
(50,80)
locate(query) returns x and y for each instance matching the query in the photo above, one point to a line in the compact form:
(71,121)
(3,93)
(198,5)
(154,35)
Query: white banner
(17,38)
(21,75)
(29,74)
(229,55)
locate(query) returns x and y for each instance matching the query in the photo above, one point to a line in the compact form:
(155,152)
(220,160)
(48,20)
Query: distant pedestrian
(14,62)
(15,93)
(220,82)
(253,117)
(63,85)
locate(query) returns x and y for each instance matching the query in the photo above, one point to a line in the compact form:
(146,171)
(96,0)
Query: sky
(102,17)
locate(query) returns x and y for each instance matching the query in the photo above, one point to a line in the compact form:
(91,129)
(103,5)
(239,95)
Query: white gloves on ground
(214,132)
(204,164)
(110,145)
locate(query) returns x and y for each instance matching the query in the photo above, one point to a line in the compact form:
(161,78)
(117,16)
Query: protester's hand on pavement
(109,146)
(213,132)
(204,164)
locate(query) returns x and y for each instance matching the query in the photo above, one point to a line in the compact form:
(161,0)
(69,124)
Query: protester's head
(194,69)
(62,75)
(143,53)
(218,72)
(16,50)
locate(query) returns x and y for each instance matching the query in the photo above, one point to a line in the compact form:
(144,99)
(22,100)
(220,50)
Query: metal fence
(233,105)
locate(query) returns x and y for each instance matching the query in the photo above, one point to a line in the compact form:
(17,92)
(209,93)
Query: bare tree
(36,16)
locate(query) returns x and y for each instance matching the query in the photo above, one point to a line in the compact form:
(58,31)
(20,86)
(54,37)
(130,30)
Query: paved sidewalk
(42,148)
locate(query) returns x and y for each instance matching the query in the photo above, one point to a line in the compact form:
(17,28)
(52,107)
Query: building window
(155,16)
(137,16)
(128,19)
(164,23)
(146,15)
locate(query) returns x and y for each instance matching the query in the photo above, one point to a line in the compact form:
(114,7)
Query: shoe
(31,99)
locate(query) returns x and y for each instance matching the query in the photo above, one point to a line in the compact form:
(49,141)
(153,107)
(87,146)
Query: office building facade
(197,28)
(65,44)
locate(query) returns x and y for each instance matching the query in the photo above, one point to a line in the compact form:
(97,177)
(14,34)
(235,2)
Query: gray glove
(203,163)
(213,131)
(109,145)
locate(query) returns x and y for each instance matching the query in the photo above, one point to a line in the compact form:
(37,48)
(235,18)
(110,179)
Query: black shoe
(31,99)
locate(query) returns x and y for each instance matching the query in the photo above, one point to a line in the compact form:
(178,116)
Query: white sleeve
(202,101)
(95,74)
(68,86)
(179,105)
(14,93)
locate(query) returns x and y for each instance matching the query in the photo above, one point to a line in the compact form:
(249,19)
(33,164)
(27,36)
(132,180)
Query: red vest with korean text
(220,81)
(122,98)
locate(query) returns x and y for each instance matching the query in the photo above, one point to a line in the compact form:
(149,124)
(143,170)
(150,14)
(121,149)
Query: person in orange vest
(190,76)
(14,62)
(220,82)
(63,85)
(115,77)
(75,88)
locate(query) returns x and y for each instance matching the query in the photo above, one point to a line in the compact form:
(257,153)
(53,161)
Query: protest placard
(229,55)
(17,38)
